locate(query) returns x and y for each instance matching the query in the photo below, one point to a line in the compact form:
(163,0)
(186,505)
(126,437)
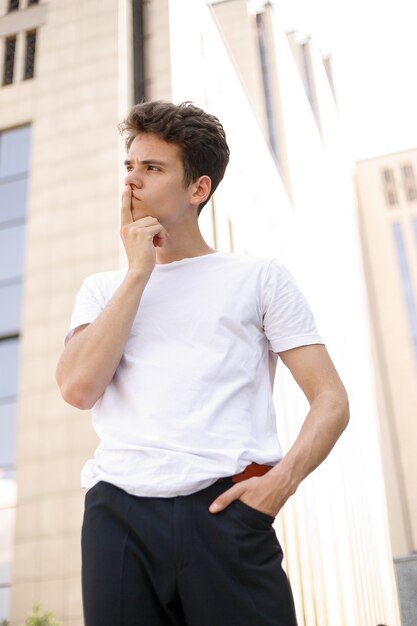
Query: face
(155,175)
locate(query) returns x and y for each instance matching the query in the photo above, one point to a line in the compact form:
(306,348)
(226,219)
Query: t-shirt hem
(296,342)
(75,326)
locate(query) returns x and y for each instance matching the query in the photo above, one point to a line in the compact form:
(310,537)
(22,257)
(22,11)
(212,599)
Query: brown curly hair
(199,135)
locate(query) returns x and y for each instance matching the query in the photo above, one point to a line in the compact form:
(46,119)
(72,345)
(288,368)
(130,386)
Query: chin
(139,211)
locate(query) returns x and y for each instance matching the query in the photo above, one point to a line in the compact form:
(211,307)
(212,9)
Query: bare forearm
(325,422)
(327,418)
(92,356)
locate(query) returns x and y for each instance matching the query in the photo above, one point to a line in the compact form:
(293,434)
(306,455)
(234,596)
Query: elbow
(344,410)
(75,394)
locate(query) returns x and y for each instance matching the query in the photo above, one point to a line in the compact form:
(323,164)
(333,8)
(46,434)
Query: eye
(153,168)
(129,168)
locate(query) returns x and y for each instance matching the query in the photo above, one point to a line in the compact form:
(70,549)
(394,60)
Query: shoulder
(104,282)
(247,262)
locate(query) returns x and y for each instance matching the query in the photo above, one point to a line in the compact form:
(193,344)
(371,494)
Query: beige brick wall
(73,105)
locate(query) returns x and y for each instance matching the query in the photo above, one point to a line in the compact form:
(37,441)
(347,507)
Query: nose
(133,179)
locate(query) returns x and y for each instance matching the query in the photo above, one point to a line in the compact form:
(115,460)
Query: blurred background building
(387,193)
(70,71)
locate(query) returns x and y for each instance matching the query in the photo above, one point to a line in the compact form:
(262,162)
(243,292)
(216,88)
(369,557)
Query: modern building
(70,71)
(387,192)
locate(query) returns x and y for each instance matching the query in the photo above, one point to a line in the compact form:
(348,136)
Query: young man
(176,353)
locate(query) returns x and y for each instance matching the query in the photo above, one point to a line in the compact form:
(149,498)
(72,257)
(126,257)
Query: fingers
(147,227)
(153,229)
(126,211)
(225,499)
(162,236)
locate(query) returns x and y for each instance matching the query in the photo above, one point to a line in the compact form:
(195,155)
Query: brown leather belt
(254,469)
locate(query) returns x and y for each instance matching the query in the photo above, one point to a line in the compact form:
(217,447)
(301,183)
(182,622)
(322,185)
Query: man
(176,353)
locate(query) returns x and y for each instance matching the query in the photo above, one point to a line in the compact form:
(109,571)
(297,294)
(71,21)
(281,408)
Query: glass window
(9,366)
(8,421)
(407,171)
(7,517)
(8,488)
(13,196)
(14,151)
(13,5)
(409,182)
(10,310)
(12,250)
(388,176)
(30,54)
(8,497)
(407,283)
(9,54)
(390,191)
(267,87)
(4,603)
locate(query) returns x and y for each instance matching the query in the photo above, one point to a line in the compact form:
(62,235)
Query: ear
(200,190)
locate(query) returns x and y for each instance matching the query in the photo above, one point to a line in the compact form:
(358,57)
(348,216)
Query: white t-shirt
(191,399)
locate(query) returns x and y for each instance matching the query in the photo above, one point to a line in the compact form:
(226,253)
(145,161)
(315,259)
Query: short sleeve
(287,318)
(88,306)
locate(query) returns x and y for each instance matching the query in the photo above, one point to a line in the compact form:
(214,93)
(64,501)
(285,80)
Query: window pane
(12,250)
(14,151)
(8,420)
(407,283)
(30,54)
(7,517)
(8,489)
(9,54)
(9,366)
(10,310)
(13,196)
(4,603)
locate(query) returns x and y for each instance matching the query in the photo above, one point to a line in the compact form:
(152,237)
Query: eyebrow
(146,162)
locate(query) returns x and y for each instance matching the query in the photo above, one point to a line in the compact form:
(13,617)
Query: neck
(186,243)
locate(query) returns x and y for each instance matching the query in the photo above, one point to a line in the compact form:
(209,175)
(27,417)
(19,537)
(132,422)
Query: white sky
(374,48)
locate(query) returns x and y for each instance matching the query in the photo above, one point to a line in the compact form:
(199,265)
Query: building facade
(71,70)
(387,192)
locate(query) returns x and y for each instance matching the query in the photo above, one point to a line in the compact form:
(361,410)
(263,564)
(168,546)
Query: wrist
(282,478)
(137,275)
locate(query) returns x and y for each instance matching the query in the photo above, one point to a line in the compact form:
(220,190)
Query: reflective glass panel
(13,196)
(8,488)
(10,309)
(12,249)
(9,367)
(407,283)
(7,517)
(8,421)
(9,57)
(14,151)
(30,54)
(4,603)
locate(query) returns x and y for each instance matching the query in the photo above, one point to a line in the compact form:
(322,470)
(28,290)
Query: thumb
(160,238)
(225,499)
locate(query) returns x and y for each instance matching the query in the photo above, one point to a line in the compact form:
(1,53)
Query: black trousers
(170,562)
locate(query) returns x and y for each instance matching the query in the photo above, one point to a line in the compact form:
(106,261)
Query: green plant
(39,618)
